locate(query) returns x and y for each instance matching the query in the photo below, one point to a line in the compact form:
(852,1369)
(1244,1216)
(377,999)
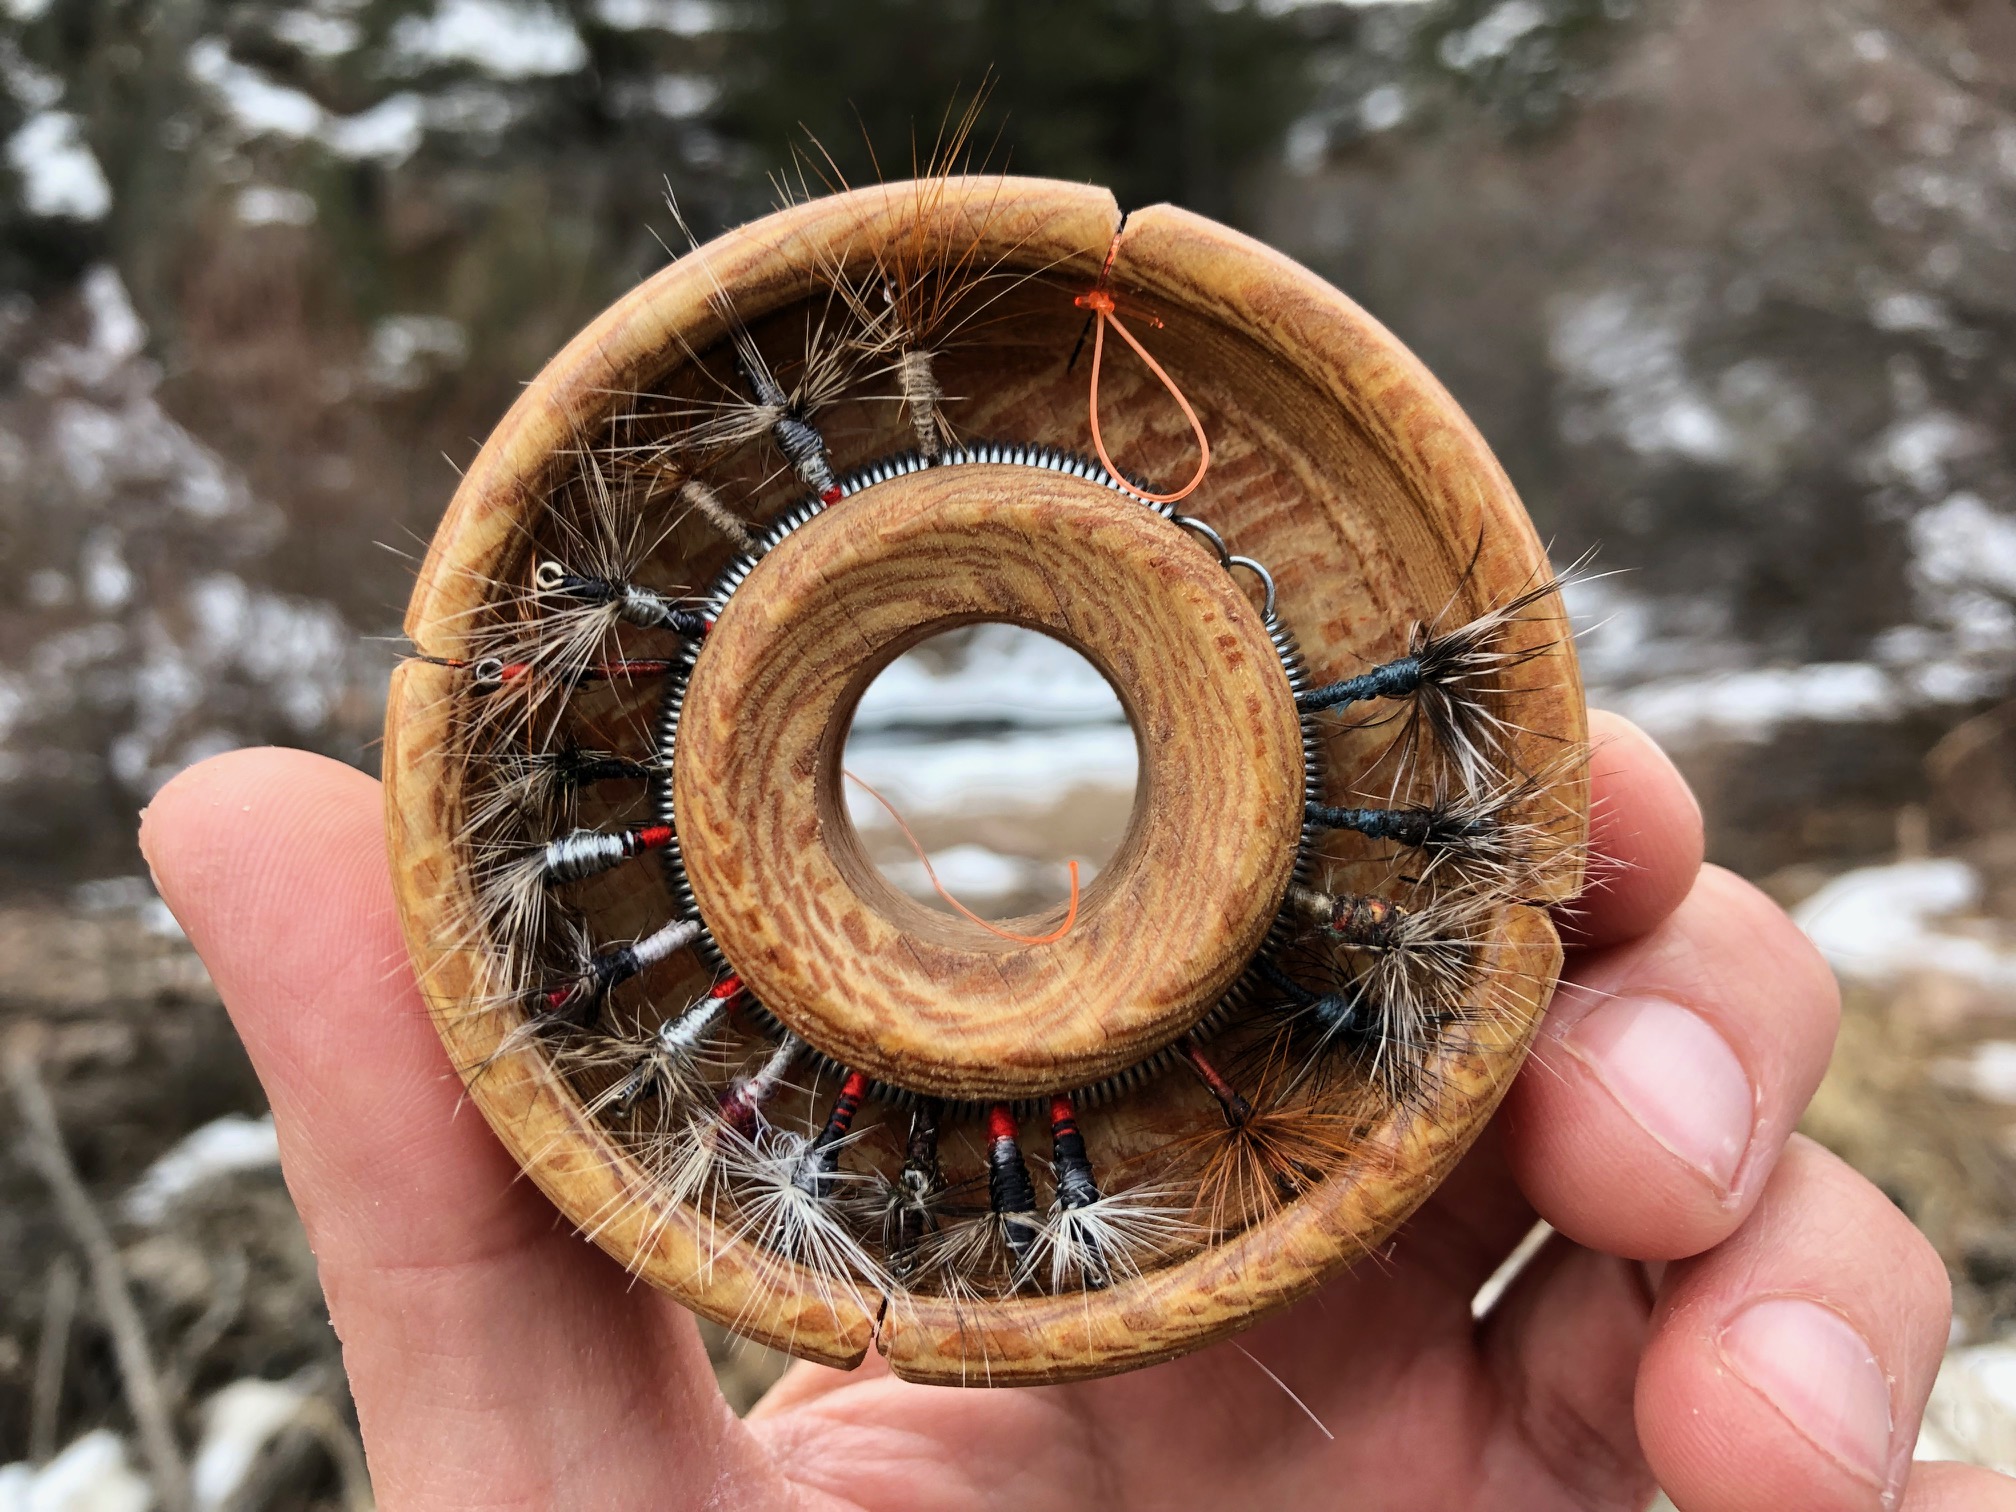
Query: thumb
(494,1356)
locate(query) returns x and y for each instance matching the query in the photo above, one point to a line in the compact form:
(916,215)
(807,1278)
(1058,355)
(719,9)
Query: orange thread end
(1070,914)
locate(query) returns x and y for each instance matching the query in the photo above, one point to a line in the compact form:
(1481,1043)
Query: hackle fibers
(1457,702)
(1260,1151)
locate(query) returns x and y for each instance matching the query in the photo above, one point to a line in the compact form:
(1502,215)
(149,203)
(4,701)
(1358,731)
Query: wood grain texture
(1338,461)
(916,997)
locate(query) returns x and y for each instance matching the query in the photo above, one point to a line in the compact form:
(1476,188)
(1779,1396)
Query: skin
(499,1361)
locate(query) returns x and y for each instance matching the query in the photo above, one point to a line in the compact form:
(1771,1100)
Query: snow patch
(223,1147)
(1961,543)
(1972,1413)
(1004,674)
(971,872)
(389,130)
(1752,705)
(1920,450)
(92,1474)
(317,34)
(269,205)
(1878,923)
(1989,1072)
(1493,36)
(508,41)
(1025,771)
(1631,358)
(1908,310)
(675,96)
(1383,108)
(682,18)
(238,1423)
(407,350)
(59,176)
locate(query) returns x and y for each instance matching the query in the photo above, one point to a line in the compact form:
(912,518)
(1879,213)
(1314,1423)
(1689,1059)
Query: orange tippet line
(1070,914)
(1099,300)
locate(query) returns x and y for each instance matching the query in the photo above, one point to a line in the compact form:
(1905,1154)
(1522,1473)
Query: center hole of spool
(1007,754)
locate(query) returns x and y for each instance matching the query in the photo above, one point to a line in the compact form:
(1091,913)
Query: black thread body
(1335,1014)
(578,769)
(690,623)
(820,1166)
(1400,678)
(580,1002)
(796,436)
(1013,1197)
(1404,826)
(1076,1185)
(641,606)
(918,1185)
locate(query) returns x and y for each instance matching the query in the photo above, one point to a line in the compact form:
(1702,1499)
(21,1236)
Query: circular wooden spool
(1338,461)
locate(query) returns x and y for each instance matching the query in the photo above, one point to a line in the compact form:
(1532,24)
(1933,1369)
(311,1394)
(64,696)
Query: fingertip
(1668,1074)
(1646,837)
(200,816)
(1789,1366)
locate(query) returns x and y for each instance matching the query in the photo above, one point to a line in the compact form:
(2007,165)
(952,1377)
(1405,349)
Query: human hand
(1774,1354)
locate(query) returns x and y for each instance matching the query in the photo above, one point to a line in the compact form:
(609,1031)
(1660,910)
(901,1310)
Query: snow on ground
(1010,726)
(1673,668)
(1877,923)
(1972,1413)
(971,872)
(223,1147)
(95,1473)
(1054,722)
(682,18)
(1750,706)
(92,1475)
(238,1422)
(1026,769)
(1006,673)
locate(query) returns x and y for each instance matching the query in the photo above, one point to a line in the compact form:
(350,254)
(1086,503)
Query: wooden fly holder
(831,1117)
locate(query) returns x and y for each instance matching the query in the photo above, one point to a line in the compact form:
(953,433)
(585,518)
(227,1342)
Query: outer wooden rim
(1457,506)
(913,996)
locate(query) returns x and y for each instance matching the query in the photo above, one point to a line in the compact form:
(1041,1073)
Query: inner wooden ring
(915,997)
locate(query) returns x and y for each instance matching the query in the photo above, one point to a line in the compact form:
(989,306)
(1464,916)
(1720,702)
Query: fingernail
(1674,1075)
(1810,1363)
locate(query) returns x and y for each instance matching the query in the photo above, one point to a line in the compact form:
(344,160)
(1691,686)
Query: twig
(52,1355)
(51,1159)
(227,1300)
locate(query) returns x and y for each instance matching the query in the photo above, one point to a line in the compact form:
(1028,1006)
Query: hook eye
(1266,579)
(1192,523)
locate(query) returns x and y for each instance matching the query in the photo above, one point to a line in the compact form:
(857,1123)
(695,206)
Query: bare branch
(109,1284)
(52,1354)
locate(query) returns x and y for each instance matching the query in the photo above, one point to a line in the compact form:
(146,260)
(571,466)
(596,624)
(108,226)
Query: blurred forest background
(1731,290)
